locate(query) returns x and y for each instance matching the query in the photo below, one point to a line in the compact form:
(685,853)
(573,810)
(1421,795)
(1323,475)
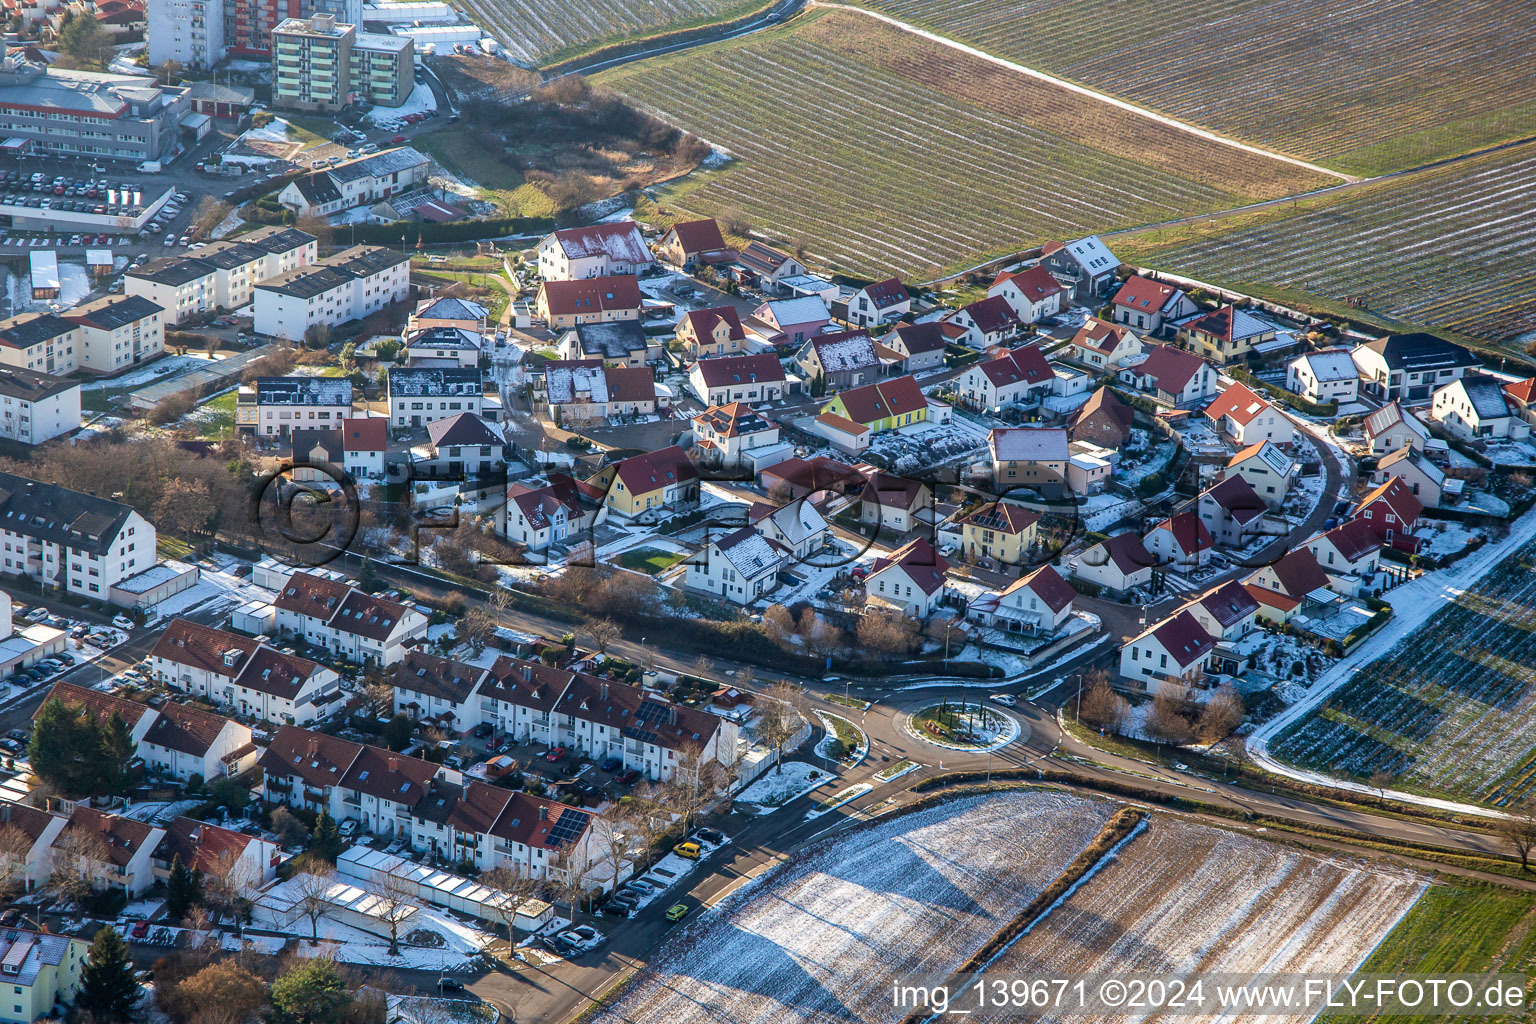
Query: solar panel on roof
(570,825)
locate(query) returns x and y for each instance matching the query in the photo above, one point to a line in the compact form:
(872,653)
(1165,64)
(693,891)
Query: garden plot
(822,937)
(1451,709)
(1181,898)
(862,189)
(925,444)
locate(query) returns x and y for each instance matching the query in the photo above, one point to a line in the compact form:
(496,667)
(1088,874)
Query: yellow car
(689,849)
(677,911)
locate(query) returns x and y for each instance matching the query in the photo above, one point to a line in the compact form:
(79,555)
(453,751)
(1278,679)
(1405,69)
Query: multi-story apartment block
(40,342)
(222,275)
(347,286)
(117,331)
(273,406)
(321,64)
(68,540)
(35,407)
(418,395)
(43,972)
(189,32)
(346,621)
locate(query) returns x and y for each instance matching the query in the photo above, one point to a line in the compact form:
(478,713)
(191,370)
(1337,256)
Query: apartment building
(41,342)
(347,286)
(189,32)
(222,275)
(345,621)
(419,395)
(273,406)
(69,540)
(320,65)
(117,331)
(35,407)
(43,972)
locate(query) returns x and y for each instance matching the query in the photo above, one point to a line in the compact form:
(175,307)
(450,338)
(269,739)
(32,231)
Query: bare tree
(692,784)
(1222,713)
(314,889)
(395,901)
(515,888)
(603,633)
(1103,707)
(228,884)
(1167,722)
(379,696)
(211,212)
(650,816)
(779,623)
(81,860)
(500,602)
(1518,827)
(615,832)
(15,848)
(779,715)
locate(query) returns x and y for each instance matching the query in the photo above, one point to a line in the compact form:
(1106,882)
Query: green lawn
(172,547)
(649,560)
(220,417)
(1459,929)
(462,156)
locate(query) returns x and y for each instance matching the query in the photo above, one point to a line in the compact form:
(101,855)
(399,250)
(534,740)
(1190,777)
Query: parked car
(630,776)
(447,984)
(612,909)
(688,849)
(555,754)
(141,929)
(348,829)
(122,622)
(611,764)
(710,835)
(677,911)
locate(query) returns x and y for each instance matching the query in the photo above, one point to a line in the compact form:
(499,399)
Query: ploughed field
(1365,86)
(1449,247)
(543,32)
(877,150)
(825,936)
(1451,710)
(1181,899)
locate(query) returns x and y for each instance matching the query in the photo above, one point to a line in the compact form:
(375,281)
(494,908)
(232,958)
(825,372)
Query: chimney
(604,690)
(672,714)
(543,812)
(527,672)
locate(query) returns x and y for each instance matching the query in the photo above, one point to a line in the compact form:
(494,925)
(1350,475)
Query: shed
(44,274)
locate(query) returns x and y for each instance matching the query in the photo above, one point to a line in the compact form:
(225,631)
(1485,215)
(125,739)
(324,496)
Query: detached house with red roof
(364,442)
(751,379)
(1173,651)
(1033,294)
(346,621)
(1389,429)
(689,243)
(564,304)
(242,674)
(1172,377)
(1391,511)
(707,333)
(598,250)
(1228,613)
(1181,542)
(1522,398)
(986,322)
(1350,554)
(896,502)
(1120,564)
(879,303)
(1021,376)
(1233,512)
(655,484)
(554,514)
(727,436)
(1104,346)
(910,580)
(1147,305)
(1037,604)
(1243,417)
(1294,584)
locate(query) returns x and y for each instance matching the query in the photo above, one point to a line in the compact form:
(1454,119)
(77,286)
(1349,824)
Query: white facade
(88,572)
(189,32)
(38,419)
(347,286)
(1327,376)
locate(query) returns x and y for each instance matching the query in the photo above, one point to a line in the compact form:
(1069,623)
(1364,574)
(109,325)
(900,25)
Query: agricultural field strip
(1083,90)
(1183,898)
(530,30)
(704,93)
(1320,79)
(821,937)
(1483,284)
(1455,720)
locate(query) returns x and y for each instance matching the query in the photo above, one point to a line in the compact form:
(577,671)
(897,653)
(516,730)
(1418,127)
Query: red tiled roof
(887,293)
(185,728)
(1046,584)
(1026,365)
(1100,335)
(364,434)
(1188,532)
(102,705)
(201,846)
(1145,294)
(1229,603)
(1522,391)
(1185,640)
(630,383)
(891,491)
(924,337)
(593,295)
(1353,540)
(1170,368)
(652,471)
(1398,496)
(922,564)
(124,837)
(1238,402)
(703,321)
(1110,403)
(726,370)
(1036,283)
(1237,497)
(443,678)
(1299,574)
(895,397)
(1128,553)
(698,236)
(991,315)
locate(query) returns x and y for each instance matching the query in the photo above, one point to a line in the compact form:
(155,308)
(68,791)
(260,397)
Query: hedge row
(1291,398)
(453,231)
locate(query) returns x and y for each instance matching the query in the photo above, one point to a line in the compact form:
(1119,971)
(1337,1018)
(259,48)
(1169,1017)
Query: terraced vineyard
(1183,899)
(1361,85)
(544,32)
(1451,710)
(1448,247)
(881,151)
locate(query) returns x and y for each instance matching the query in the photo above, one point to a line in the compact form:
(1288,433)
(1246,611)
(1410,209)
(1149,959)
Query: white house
(1086,262)
(910,580)
(460,445)
(1476,406)
(1267,468)
(1242,416)
(984,323)
(726,435)
(274,406)
(248,861)
(1182,542)
(1426,480)
(1172,377)
(243,674)
(878,303)
(1037,604)
(753,379)
(345,621)
(350,285)
(796,527)
(895,503)
(1329,375)
(1166,653)
(419,395)
(37,407)
(129,848)
(1232,511)
(553,513)
(491,827)
(1119,564)
(361,182)
(364,443)
(1389,429)
(1227,613)
(740,567)
(1103,345)
(438,690)
(186,740)
(1147,305)
(1410,366)
(1350,554)
(69,540)
(1022,375)
(598,250)
(1033,294)
(374,787)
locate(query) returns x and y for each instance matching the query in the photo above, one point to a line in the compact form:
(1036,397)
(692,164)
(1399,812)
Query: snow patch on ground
(777,788)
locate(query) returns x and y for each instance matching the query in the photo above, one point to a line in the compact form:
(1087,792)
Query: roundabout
(964,728)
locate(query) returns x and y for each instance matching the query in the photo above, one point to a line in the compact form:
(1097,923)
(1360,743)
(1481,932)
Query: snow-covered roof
(1029,444)
(1092,255)
(750,553)
(846,350)
(1329,365)
(798,521)
(563,380)
(805,310)
(620,241)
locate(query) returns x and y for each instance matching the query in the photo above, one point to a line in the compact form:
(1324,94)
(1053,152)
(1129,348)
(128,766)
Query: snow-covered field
(822,937)
(1181,898)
